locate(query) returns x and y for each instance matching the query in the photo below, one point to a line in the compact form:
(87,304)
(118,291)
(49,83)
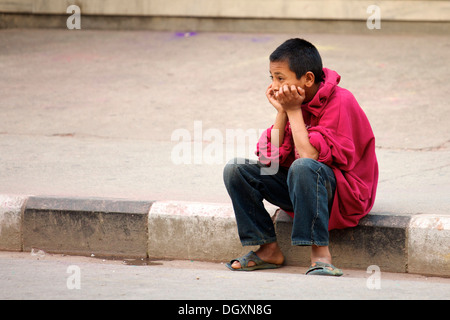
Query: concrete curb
(207,231)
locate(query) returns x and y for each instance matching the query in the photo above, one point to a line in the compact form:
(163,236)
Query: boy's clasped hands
(286,98)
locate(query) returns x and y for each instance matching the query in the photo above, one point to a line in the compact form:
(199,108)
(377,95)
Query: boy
(324,149)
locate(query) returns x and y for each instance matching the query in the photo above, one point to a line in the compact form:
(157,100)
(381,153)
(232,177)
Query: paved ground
(101,113)
(43,276)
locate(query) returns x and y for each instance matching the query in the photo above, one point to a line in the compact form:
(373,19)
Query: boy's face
(282,75)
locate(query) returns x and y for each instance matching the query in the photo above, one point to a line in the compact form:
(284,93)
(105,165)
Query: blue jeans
(306,188)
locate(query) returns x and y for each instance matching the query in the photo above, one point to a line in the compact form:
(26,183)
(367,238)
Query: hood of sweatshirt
(326,90)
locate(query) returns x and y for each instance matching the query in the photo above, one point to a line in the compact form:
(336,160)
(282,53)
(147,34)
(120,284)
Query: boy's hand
(290,97)
(271,95)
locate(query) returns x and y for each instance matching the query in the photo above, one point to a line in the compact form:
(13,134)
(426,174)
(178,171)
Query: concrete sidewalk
(89,121)
(207,231)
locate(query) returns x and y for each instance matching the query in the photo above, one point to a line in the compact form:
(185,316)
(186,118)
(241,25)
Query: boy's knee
(302,172)
(303,166)
(231,169)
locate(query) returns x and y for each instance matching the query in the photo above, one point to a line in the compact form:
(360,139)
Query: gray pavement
(104,113)
(26,276)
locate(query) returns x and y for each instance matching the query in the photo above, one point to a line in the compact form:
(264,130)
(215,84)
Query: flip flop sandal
(324,269)
(251,256)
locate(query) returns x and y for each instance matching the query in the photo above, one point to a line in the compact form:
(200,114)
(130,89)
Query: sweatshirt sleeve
(267,152)
(318,142)
(333,147)
(334,137)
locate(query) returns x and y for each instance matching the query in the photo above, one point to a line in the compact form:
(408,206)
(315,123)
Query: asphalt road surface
(39,275)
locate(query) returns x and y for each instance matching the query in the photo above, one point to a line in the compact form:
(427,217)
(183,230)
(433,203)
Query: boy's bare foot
(270,253)
(321,254)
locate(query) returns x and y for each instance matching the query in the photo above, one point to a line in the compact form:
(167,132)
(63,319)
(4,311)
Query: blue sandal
(324,269)
(251,256)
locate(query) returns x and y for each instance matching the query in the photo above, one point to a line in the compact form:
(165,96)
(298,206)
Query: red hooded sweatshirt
(340,131)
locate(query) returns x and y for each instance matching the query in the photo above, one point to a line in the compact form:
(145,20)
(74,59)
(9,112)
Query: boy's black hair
(302,56)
